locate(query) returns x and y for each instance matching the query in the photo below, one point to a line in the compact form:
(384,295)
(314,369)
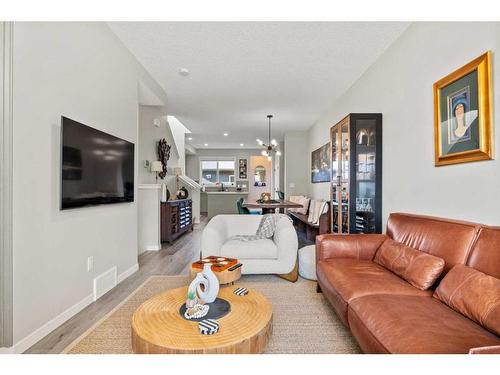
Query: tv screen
(96,168)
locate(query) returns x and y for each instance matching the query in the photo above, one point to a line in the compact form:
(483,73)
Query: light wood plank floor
(173,259)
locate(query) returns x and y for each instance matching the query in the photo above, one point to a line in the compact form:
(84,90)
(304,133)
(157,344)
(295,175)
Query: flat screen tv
(96,168)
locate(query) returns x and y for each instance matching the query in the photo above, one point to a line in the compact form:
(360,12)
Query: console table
(176,218)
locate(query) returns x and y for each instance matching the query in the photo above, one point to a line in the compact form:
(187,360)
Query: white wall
(399,85)
(80,70)
(297,170)
(149,135)
(178,133)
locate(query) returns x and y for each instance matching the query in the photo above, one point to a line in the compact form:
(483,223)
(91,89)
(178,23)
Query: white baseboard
(51,325)
(128,273)
(48,327)
(152,248)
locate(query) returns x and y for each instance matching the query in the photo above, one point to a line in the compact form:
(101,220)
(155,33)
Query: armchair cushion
(418,268)
(258,249)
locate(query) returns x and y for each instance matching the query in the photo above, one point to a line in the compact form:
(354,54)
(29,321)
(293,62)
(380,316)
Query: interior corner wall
(297,172)
(82,71)
(399,85)
(149,135)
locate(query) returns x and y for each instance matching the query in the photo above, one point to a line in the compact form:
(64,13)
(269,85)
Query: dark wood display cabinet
(176,218)
(356,184)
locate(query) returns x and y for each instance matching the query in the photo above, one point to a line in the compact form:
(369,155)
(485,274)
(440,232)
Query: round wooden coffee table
(157,326)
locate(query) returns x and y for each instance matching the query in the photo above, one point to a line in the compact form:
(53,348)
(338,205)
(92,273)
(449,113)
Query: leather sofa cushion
(473,294)
(411,324)
(485,256)
(450,240)
(343,279)
(418,268)
(258,249)
(353,278)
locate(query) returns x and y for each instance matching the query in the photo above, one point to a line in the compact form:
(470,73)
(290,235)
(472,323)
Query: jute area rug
(303,321)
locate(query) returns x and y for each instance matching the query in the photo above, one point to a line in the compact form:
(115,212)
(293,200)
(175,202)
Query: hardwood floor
(173,259)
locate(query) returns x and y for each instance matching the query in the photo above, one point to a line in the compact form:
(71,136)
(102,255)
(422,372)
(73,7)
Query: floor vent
(104,283)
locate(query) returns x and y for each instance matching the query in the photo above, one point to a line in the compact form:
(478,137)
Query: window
(214,171)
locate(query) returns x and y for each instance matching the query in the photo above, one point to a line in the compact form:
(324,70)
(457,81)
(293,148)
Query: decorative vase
(212,289)
(210,283)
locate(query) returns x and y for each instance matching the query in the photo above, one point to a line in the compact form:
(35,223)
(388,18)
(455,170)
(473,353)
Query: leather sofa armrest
(495,349)
(356,246)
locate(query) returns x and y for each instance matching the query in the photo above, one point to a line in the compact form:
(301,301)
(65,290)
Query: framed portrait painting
(320,164)
(462,114)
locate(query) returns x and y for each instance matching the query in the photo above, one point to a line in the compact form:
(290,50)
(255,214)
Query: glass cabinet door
(365,188)
(344,182)
(334,185)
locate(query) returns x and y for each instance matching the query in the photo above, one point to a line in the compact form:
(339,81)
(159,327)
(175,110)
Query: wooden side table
(157,326)
(221,267)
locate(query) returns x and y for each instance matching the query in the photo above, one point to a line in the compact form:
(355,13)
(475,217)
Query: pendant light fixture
(272,146)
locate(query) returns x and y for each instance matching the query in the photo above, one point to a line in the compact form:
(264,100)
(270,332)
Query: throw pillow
(304,201)
(316,209)
(312,206)
(266,226)
(293,199)
(417,267)
(473,294)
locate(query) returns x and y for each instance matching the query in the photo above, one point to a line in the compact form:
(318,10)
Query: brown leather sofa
(387,314)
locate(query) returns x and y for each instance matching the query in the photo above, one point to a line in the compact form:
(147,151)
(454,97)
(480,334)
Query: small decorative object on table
(208,326)
(227,270)
(265,197)
(210,285)
(241,291)
(182,193)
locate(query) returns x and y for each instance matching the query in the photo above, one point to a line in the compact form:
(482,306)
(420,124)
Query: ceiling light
(242,144)
(226,134)
(184,71)
(190,138)
(206,144)
(272,146)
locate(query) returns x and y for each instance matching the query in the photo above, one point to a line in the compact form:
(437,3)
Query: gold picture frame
(462,114)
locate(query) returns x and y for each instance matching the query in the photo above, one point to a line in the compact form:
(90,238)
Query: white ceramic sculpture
(210,284)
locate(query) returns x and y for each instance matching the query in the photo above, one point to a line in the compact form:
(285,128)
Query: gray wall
(399,85)
(82,71)
(297,170)
(149,135)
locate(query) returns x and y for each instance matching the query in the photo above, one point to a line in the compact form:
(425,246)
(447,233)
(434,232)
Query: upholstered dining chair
(245,211)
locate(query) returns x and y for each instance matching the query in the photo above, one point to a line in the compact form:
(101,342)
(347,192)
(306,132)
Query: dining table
(270,207)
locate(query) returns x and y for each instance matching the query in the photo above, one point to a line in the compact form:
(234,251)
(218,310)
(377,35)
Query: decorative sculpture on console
(163,156)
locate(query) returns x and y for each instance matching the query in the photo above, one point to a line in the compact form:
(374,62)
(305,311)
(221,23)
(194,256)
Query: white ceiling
(242,71)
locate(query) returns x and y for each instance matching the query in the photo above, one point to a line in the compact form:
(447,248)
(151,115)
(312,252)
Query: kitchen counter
(221,202)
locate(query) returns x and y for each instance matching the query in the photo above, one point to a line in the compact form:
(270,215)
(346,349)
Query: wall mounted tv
(96,167)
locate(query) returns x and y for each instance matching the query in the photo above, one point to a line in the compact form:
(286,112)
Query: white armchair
(265,256)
